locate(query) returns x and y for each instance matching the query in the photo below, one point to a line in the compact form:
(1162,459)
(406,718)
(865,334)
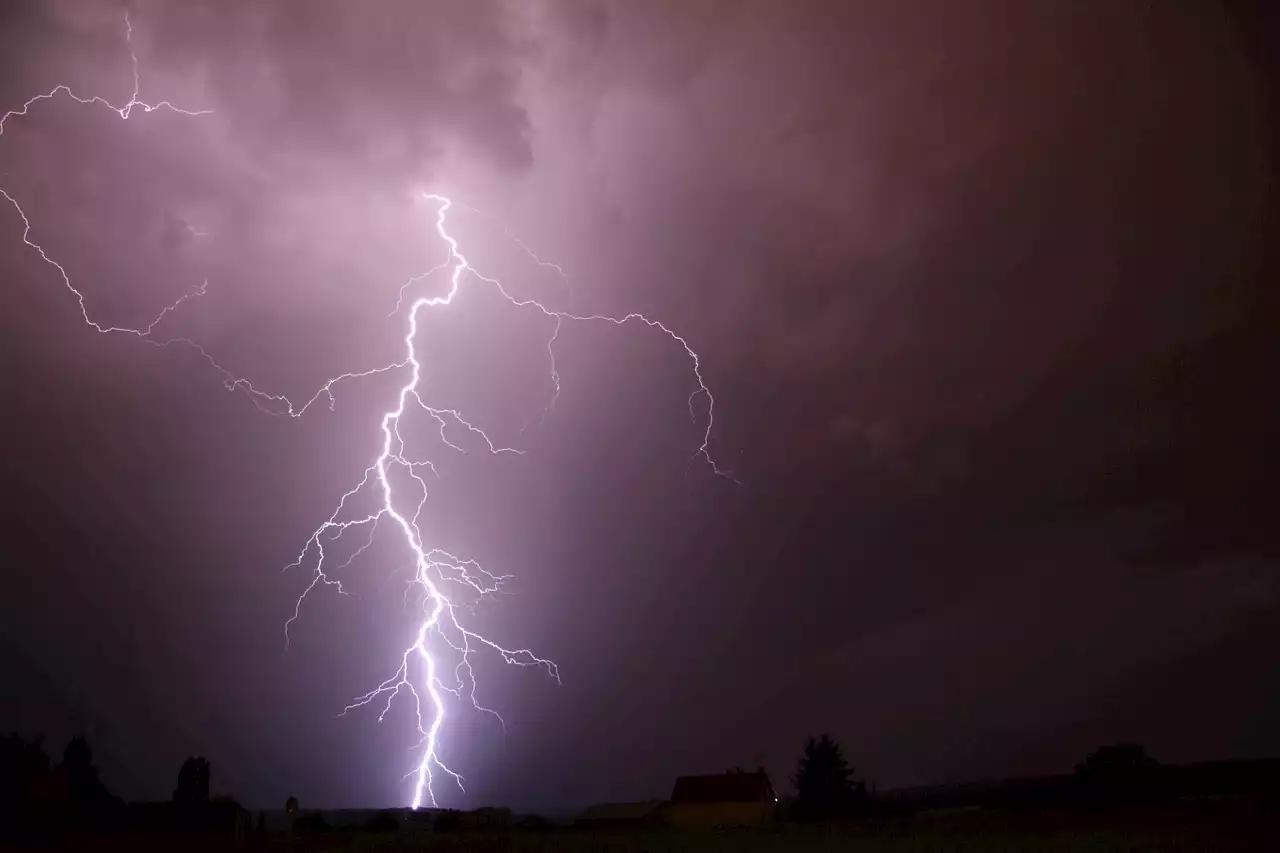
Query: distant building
(736,798)
(453,820)
(487,817)
(219,816)
(418,820)
(621,815)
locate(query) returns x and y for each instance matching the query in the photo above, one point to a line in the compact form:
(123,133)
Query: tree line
(1119,775)
(38,793)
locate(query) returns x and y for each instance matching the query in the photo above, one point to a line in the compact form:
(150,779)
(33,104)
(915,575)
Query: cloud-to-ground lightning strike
(437,573)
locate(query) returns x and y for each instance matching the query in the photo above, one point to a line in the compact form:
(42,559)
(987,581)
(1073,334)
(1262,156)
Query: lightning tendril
(423,677)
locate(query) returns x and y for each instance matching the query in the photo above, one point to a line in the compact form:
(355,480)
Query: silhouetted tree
(1120,774)
(22,762)
(824,782)
(84,788)
(291,809)
(193,782)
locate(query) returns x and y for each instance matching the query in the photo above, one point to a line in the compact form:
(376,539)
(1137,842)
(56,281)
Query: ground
(1203,828)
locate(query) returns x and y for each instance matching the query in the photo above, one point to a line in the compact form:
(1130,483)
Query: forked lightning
(438,660)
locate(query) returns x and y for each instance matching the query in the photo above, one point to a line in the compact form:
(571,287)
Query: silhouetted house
(219,816)
(485,818)
(419,820)
(735,798)
(621,815)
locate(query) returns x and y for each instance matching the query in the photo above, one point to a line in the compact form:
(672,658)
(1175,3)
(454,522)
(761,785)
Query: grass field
(1223,830)
(963,833)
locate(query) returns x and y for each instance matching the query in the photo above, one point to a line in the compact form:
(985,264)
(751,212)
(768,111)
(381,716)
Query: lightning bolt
(398,483)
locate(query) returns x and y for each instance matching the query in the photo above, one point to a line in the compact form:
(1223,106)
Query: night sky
(983,292)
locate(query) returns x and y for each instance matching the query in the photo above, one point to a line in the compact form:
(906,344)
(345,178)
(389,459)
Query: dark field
(1206,827)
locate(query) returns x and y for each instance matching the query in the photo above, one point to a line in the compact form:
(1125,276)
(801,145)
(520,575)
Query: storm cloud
(978,289)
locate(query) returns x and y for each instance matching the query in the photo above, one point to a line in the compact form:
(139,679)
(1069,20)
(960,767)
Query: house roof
(733,787)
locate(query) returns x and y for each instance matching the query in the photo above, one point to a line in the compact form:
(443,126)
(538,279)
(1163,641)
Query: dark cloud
(302,78)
